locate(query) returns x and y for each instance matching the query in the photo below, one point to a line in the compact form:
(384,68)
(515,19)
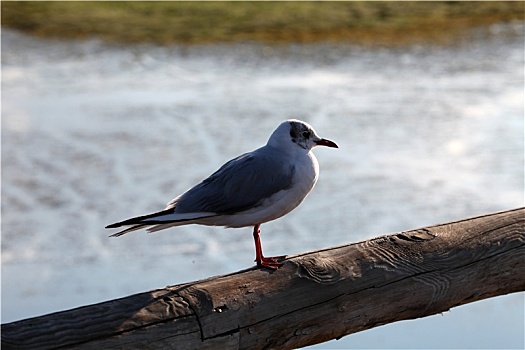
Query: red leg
(268,262)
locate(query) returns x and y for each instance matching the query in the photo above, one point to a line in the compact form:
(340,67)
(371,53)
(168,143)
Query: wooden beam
(313,298)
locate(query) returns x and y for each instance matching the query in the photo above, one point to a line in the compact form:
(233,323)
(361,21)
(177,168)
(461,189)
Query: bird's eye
(306,134)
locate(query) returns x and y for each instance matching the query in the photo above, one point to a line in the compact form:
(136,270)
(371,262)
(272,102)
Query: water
(94,133)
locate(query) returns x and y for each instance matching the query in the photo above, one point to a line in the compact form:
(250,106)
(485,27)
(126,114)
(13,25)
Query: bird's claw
(270,262)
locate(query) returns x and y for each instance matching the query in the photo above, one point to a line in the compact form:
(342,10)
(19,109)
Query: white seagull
(249,190)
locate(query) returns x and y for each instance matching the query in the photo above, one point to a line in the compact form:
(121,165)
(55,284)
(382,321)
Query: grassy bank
(198,22)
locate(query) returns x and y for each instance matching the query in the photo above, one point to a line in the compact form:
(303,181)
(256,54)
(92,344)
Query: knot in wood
(416,235)
(320,269)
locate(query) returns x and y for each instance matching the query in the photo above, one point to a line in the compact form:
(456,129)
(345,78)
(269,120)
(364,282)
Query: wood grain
(314,297)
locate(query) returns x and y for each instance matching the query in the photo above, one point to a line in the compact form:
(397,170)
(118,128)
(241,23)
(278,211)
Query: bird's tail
(132,228)
(158,221)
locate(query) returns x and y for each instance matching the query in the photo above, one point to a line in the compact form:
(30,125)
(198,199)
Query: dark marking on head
(300,133)
(293,130)
(298,129)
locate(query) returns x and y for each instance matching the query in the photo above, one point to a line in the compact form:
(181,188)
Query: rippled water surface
(93,133)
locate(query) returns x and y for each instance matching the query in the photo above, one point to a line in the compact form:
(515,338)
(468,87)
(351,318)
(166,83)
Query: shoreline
(362,23)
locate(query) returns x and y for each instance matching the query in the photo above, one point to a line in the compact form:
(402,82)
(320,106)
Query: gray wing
(240,184)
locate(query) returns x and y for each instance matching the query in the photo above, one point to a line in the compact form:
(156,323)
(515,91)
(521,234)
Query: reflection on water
(93,133)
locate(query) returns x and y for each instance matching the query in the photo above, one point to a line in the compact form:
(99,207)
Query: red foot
(270,262)
(260,259)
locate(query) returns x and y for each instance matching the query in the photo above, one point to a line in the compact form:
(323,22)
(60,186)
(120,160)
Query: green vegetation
(385,22)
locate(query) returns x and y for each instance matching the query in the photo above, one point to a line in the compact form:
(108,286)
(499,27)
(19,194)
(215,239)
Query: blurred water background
(93,133)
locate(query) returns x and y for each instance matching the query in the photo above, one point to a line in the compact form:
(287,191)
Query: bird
(249,190)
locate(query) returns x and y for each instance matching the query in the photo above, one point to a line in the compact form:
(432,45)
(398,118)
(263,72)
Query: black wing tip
(115,225)
(137,220)
(112,226)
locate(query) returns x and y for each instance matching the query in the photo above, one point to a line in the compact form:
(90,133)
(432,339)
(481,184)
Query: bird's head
(295,133)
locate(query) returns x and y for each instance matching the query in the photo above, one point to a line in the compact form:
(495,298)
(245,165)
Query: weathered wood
(314,297)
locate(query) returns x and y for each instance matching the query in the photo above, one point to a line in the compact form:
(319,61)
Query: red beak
(327,143)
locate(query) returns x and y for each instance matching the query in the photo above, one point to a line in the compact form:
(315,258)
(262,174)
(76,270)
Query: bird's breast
(305,176)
